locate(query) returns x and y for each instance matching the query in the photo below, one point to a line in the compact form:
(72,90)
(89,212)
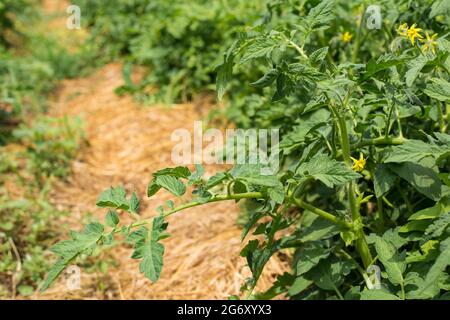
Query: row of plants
(179,42)
(34,149)
(29,223)
(32,63)
(363,182)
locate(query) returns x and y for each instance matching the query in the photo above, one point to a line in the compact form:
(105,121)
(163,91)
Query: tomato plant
(364,180)
(180,42)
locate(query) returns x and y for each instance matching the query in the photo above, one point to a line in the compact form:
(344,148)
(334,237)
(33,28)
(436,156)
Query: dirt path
(126,143)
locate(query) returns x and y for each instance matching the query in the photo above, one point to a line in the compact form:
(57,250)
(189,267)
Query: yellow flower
(430,43)
(346,36)
(359,164)
(403,29)
(413,33)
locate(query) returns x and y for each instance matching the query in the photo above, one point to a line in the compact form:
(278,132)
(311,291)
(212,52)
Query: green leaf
(267,79)
(152,263)
(277,193)
(378,294)
(196,177)
(318,55)
(112,219)
(309,256)
(256,257)
(252,174)
(414,151)
(438,89)
(215,180)
(415,66)
(438,227)
(423,179)
(330,274)
(392,261)
(318,230)
(148,248)
(134,203)
(384,180)
(254,217)
(414,280)
(439,7)
(318,17)
(416,225)
(444,45)
(68,250)
(225,71)
(177,172)
(152,188)
(258,48)
(299,285)
(171,184)
(170,204)
(431,212)
(113,198)
(298,135)
(394,238)
(437,269)
(329,171)
(384,62)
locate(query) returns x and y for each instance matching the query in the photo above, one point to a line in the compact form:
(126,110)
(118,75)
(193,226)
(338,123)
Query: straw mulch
(126,143)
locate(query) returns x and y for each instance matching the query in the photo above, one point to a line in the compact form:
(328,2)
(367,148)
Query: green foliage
(180,42)
(10,12)
(364,154)
(31,63)
(28,222)
(27,228)
(51,145)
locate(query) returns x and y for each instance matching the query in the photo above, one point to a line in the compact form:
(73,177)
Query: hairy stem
(441,117)
(299,50)
(358,36)
(247,195)
(379,141)
(321,213)
(388,126)
(361,243)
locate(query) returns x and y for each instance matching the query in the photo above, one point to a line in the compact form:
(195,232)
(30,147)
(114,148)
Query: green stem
(443,66)
(447,112)
(388,126)
(321,213)
(399,123)
(380,213)
(220,197)
(339,294)
(441,117)
(356,264)
(247,195)
(379,141)
(299,50)
(361,243)
(358,37)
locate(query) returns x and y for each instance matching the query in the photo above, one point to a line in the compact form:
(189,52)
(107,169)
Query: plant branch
(247,195)
(379,141)
(321,213)
(299,50)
